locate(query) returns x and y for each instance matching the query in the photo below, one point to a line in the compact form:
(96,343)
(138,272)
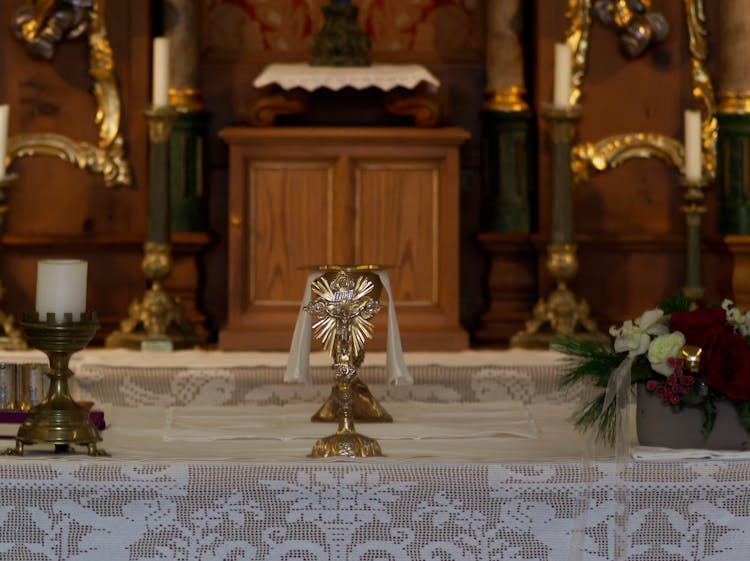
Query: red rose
(726,367)
(700,327)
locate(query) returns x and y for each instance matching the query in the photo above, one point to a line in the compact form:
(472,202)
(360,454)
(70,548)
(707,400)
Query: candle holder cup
(59,419)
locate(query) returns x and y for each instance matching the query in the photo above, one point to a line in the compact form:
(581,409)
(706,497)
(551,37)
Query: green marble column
(189,136)
(187,180)
(508,196)
(506,124)
(733,172)
(733,115)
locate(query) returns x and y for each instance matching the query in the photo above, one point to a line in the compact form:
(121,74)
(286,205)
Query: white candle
(693,151)
(61,288)
(563,73)
(4,111)
(160,72)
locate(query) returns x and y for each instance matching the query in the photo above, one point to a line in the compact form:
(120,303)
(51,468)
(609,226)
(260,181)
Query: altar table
(192,478)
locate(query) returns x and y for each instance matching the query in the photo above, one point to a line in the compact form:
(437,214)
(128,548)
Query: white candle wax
(563,73)
(160,72)
(61,288)
(693,151)
(4,112)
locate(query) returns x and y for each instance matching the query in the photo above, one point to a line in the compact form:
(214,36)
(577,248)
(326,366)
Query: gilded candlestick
(157,320)
(561,314)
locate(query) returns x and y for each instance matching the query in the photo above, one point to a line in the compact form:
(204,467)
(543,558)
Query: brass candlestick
(345,299)
(157,320)
(59,419)
(562,314)
(693,208)
(12,339)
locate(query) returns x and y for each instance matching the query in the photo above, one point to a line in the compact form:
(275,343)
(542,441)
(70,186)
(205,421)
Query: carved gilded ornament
(611,151)
(40,25)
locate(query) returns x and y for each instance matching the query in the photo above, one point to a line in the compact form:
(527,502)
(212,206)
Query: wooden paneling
(306,196)
(397,224)
(290,223)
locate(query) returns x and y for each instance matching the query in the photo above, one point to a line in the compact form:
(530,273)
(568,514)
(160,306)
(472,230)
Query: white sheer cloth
(298,364)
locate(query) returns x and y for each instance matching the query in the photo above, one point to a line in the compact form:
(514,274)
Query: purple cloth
(18,417)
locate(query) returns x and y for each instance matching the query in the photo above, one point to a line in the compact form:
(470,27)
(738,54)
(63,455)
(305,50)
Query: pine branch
(588,359)
(592,415)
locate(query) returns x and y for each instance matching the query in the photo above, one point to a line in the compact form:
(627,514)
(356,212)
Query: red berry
(671,361)
(664,399)
(651,385)
(660,390)
(674,399)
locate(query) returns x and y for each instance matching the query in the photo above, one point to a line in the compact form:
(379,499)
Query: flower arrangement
(654,346)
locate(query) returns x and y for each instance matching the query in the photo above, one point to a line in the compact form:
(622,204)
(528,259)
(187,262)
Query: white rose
(630,338)
(653,322)
(662,349)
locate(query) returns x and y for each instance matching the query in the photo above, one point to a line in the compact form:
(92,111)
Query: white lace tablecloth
(237,378)
(481,495)
(310,78)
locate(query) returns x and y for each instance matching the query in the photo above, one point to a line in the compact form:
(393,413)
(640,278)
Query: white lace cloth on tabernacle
(463,499)
(310,78)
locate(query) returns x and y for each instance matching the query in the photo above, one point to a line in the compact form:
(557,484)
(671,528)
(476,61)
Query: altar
(209,461)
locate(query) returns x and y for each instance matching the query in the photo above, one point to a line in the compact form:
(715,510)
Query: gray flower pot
(659,425)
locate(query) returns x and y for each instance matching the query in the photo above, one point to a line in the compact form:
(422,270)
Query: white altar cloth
(490,497)
(310,78)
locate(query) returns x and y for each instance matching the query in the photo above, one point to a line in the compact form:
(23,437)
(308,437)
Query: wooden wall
(627,220)
(55,209)
(239,38)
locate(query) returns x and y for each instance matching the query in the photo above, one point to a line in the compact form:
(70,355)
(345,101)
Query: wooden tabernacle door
(305,196)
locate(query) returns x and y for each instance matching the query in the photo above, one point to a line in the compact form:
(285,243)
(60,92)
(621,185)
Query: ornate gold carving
(637,27)
(186,99)
(157,317)
(508,99)
(578,39)
(703,91)
(264,111)
(613,150)
(160,121)
(423,109)
(562,311)
(107,157)
(157,260)
(735,102)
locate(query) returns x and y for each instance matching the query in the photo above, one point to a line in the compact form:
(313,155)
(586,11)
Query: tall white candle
(61,288)
(160,72)
(4,112)
(693,152)
(563,75)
